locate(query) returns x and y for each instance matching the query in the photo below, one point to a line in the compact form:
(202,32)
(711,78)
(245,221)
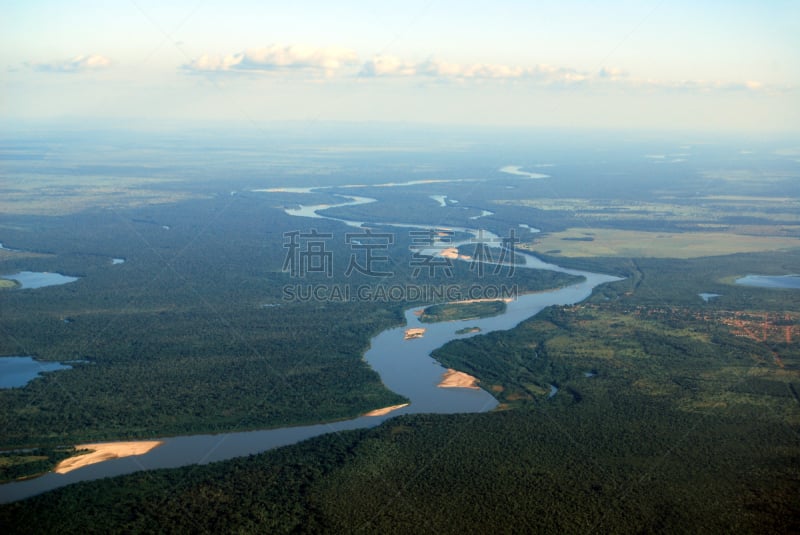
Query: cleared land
(709,210)
(44,192)
(584,242)
(6,283)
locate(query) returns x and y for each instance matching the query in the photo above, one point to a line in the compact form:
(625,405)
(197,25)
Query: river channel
(405,366)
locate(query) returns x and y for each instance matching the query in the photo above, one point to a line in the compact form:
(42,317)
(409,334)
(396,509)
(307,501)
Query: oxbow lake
(771,281)
(16,372)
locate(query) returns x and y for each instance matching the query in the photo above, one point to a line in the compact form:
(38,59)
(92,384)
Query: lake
(771,281)
(29,280)
(16,372)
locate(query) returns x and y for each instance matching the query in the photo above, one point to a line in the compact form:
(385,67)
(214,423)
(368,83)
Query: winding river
(405,366)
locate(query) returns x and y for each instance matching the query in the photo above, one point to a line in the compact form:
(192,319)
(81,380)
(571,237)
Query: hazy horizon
(677,66)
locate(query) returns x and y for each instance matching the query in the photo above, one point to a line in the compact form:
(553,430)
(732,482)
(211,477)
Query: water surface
(29,280)
(405,367)
(771,281)
(16,372)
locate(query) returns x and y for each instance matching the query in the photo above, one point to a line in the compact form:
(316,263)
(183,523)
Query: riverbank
(404,367)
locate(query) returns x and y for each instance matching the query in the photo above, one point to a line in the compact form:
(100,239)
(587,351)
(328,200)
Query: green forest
(18,465)
(461,311)
(643,409)
(668,417)
(193,332)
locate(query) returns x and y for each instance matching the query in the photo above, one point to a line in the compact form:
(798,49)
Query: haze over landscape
(430,267)
(657,65)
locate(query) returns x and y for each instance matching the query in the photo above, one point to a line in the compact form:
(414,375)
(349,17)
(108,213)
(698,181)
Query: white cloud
(334,60)
(612,73)
(444,69)
(702,86)
(542,74)
(389,66)
(278,58)
(88,62)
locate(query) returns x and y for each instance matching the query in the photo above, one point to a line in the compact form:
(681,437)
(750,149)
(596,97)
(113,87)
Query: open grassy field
(692,212)
(60,195)
(584,242)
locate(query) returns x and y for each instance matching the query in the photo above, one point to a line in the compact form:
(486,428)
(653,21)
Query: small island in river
(462,310)
(416,332)
(468,330)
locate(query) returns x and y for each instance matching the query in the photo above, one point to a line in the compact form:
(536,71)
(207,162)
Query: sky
(708,65)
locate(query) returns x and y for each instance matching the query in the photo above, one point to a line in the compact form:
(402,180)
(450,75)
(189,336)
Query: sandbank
(456,379)
(104,452)
(385,410)
(415,332)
